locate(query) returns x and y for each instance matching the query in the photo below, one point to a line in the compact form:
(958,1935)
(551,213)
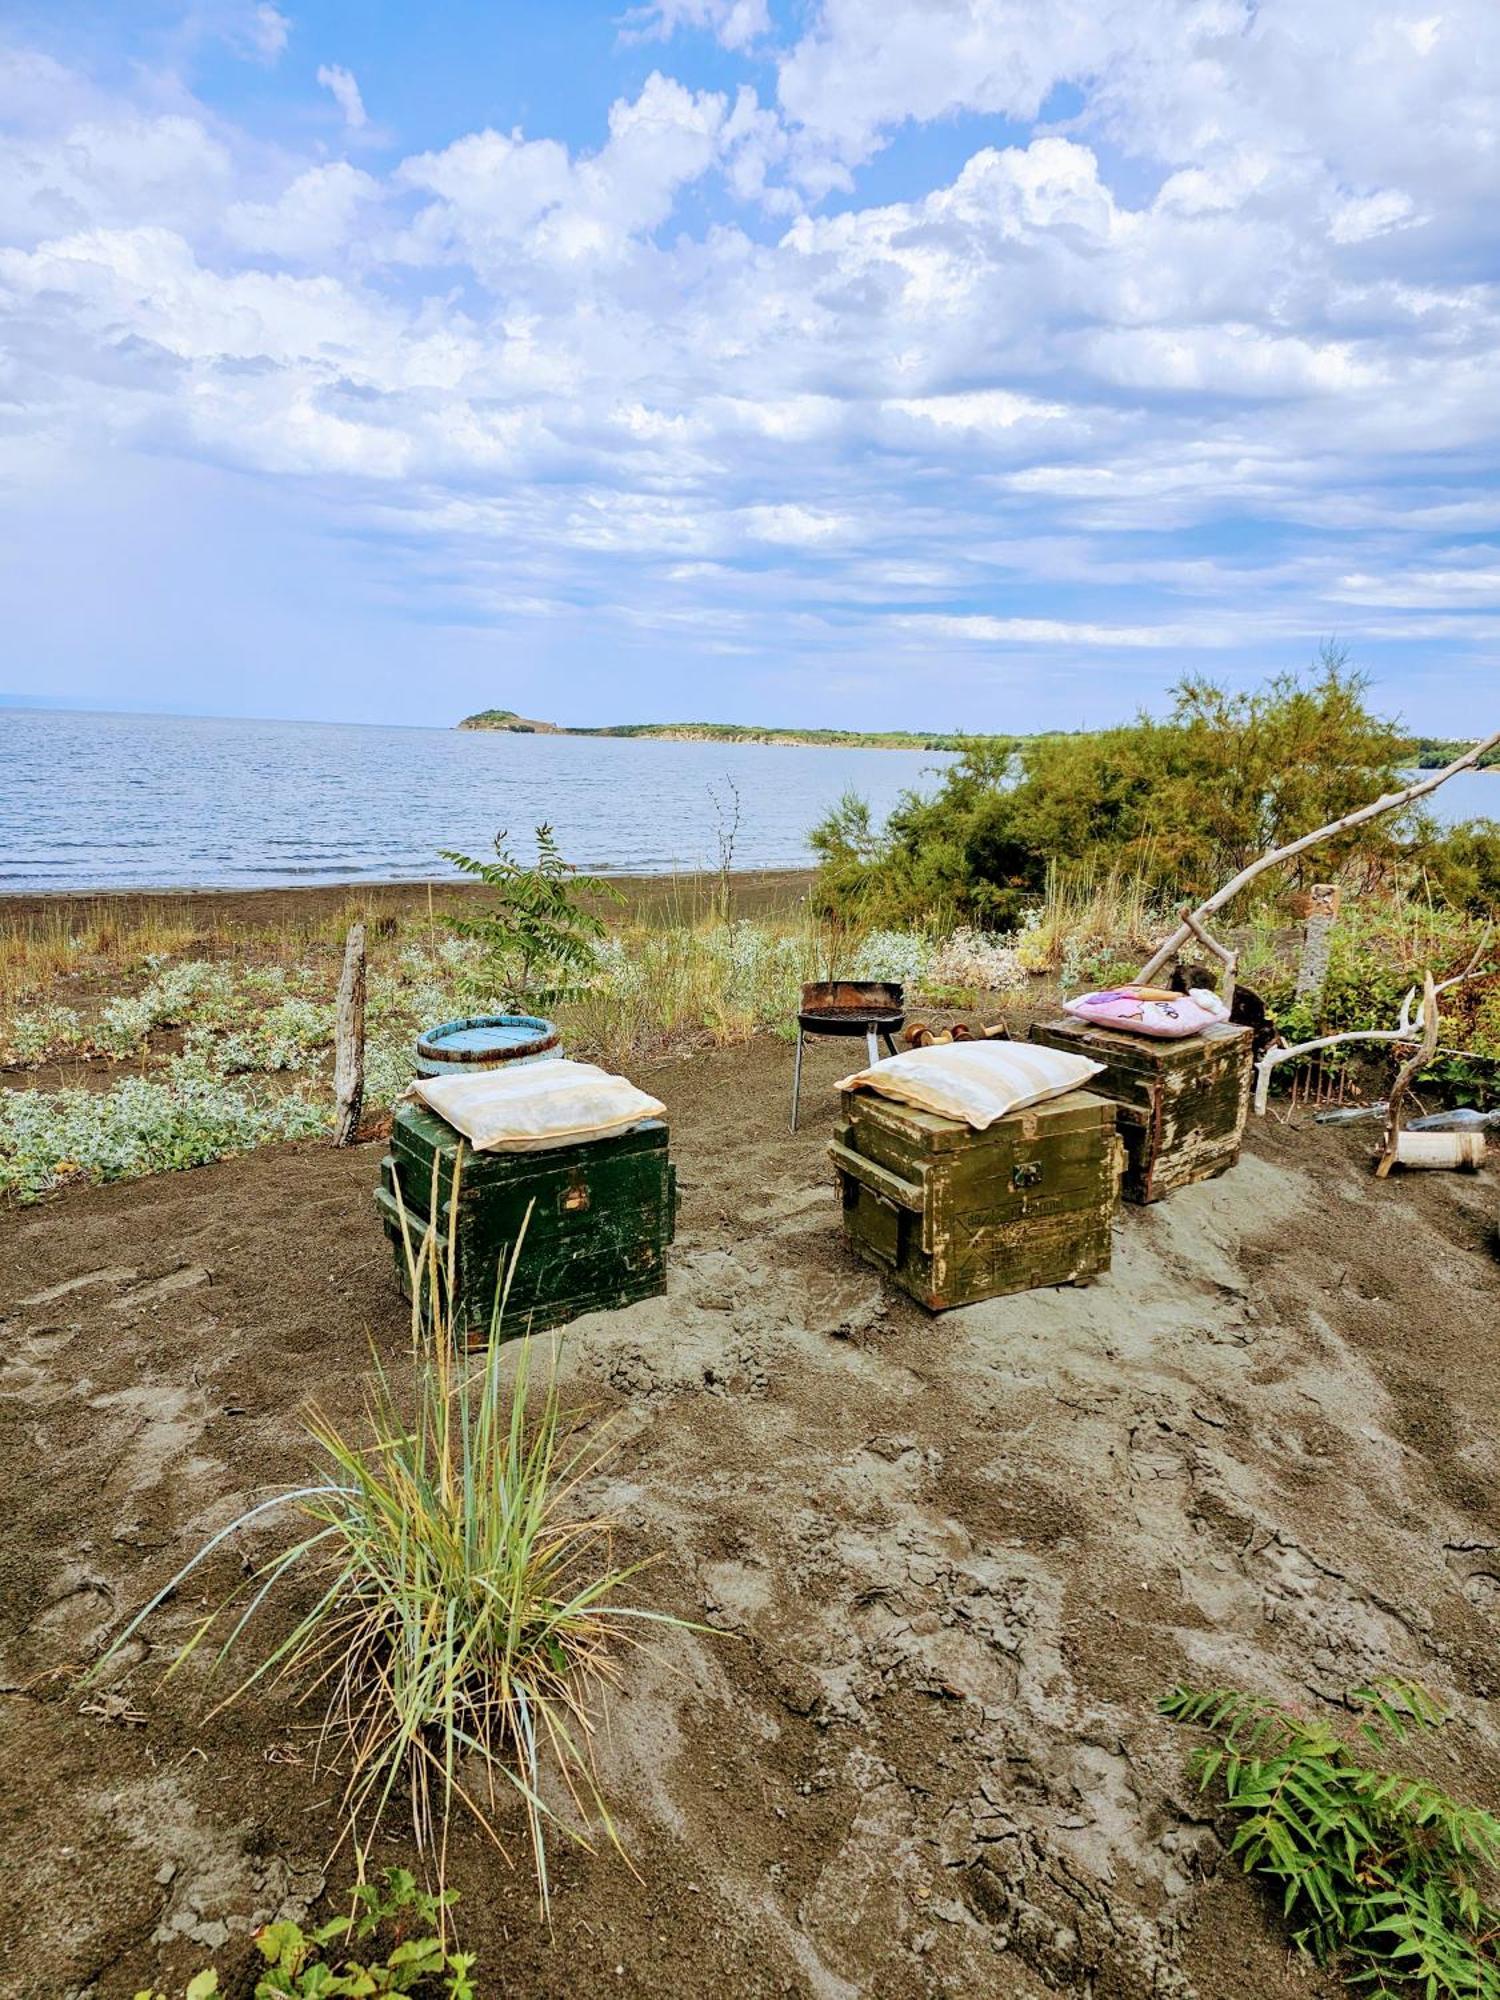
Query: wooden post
(1323,901)
(349,1040)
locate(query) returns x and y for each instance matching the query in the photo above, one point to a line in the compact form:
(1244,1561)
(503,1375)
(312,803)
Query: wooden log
(1440,1149)
(349,1040)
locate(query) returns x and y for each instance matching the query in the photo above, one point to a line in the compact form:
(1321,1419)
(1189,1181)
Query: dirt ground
(953,1563)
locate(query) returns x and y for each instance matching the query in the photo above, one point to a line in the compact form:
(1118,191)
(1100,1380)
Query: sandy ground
(953,1564)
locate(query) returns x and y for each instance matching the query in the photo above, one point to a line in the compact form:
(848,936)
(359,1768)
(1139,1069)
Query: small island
(507,720)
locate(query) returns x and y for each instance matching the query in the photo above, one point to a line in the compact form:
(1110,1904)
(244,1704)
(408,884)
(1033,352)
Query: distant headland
(1428,752)
(506,719)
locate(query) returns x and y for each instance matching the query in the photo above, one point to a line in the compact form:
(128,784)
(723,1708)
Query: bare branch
(1425,1051)
(1389,802)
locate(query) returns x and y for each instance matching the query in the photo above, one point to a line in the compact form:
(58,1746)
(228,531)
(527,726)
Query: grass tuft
(462,1623)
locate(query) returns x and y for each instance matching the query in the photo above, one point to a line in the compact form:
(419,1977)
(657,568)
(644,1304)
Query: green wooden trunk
(601,1217)
(1182,1104)
(953,1215)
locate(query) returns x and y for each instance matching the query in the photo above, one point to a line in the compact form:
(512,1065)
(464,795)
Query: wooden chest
(953,1215)
(1182,1104)
(600,1218)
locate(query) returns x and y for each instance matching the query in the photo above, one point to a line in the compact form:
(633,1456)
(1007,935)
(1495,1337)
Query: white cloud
(266,31)
(312,217)
(990,631)
(345,91)
(497,194)
(1011,406)
(735,23)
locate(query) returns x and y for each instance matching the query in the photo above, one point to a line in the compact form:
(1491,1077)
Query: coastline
(755,892)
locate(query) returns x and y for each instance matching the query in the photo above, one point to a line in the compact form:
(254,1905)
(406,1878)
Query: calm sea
(151,801)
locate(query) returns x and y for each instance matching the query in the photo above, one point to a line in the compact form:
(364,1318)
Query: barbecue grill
(874,1008)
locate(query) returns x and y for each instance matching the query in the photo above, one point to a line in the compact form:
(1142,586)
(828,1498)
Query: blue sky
(960,363)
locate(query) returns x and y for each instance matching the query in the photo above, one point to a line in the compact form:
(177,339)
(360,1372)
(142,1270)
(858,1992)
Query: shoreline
(755,891)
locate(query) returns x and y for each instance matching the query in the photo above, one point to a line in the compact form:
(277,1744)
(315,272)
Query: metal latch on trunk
(574,1199)
(1026,1174)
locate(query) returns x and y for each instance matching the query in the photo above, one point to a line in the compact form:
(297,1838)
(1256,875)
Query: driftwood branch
(1407,1029)
(349,1040)
(1425,1051)
(1389,802)
(1230,959)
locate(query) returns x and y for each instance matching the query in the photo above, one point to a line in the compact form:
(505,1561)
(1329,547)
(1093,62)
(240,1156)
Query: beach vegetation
(459,1612)
(1379,1873)
(535,932)
(412,1951)
(1177,805)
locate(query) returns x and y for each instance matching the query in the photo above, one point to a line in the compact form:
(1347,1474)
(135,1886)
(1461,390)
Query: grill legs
(873,1038)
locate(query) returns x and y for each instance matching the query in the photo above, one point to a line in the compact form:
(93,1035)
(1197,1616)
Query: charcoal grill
(874,1008)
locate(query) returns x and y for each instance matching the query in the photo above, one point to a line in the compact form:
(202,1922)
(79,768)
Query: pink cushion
(1126,1007)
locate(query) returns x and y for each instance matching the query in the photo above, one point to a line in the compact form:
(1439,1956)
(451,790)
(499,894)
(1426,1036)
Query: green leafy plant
(536,939)
(313,1965)
(1381,1874)
(464,1614)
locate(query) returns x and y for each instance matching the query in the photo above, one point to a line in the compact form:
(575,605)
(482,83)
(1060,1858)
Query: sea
(182,802)
(94,801)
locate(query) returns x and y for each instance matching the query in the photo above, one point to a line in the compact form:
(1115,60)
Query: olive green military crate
(1182,1103)
(953,1215)
(597,1219)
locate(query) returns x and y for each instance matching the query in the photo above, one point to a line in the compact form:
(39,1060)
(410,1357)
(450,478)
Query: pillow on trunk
(976,1082)
(1150,1010)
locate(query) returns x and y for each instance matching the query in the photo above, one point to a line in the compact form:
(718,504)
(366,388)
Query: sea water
(154,801)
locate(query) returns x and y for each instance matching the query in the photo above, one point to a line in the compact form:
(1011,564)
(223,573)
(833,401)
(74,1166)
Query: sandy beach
(950,1564)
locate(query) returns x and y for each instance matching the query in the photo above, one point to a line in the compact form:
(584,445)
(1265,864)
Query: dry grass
(1086,913)
(107,940)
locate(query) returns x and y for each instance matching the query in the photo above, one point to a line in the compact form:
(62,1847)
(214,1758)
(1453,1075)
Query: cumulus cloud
(313,216)
(497,193)
(1081,391)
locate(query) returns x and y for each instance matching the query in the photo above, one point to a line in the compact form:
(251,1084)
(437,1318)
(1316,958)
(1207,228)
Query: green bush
(1182,804)
(1380,1874)
(536,940)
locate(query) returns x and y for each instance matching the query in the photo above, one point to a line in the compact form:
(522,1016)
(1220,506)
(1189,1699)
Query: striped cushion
(976,1082)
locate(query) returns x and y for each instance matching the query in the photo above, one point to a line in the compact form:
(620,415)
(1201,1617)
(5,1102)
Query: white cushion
(976,1082)
(532,1105)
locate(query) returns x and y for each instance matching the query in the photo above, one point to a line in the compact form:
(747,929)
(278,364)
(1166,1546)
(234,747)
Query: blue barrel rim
(431,1046)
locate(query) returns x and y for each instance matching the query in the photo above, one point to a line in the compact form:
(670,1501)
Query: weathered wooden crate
(953,1215)
(1182,1103)
(597,1219)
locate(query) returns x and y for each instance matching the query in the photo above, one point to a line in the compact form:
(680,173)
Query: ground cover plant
(1380,1874)
(395,1942)
(462,1618)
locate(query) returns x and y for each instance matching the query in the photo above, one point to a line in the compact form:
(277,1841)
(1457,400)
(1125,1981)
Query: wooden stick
(1230,958)
(349,1040)
(1389,802)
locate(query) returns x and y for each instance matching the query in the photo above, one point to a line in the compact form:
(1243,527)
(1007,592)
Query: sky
(958,364)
